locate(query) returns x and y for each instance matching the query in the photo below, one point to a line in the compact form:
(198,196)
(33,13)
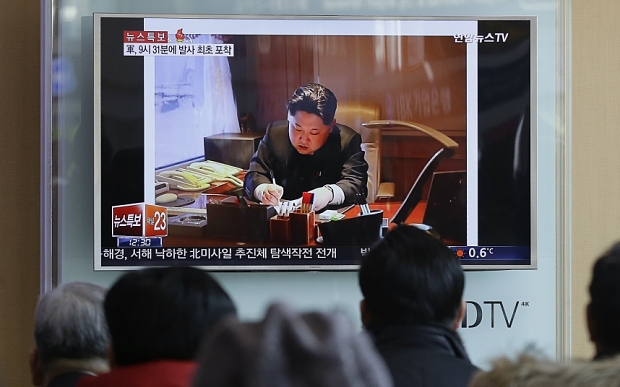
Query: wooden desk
(389,209)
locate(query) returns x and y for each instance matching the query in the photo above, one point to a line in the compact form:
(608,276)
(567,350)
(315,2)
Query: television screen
(434,126)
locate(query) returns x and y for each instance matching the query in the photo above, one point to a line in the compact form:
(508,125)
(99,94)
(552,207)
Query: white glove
(269,193)
(322,197)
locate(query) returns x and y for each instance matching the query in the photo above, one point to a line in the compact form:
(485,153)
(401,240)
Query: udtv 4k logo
(492,312)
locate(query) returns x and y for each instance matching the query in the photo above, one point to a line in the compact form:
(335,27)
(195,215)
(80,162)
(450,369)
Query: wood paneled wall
(19,186)
(595,140)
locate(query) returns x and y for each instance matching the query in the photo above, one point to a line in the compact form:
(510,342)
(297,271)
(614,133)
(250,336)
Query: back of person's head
(314,99)
(289,349)
(604,307)
(162,313)
(534,371)
(70,323)
(410,277)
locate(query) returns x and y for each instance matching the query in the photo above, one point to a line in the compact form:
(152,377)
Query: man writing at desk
(310,153)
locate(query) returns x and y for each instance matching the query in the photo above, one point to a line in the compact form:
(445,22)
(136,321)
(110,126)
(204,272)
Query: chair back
(353,114)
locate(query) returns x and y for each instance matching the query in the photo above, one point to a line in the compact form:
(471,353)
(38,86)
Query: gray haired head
(290,349)
(70,323)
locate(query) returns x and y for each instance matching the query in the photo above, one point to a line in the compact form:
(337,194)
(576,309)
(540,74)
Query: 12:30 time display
(139,242)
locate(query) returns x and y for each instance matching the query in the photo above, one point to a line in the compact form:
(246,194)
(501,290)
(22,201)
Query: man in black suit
(413,286)
(309,153)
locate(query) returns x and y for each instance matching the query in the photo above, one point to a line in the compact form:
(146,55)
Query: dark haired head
(314,99)
(410,277)
(162,313)
(604,308)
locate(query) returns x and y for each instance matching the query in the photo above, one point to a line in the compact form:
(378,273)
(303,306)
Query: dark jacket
(68,379)
(424,356)
(339,161)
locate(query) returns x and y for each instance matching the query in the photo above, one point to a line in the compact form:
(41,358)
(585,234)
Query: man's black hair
(605,301)
(162,313)
(410,277)
(314,99)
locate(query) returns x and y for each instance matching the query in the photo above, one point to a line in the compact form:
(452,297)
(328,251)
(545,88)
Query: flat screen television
(181,103)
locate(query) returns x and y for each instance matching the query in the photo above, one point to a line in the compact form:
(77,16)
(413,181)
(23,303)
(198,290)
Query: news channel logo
(139,220)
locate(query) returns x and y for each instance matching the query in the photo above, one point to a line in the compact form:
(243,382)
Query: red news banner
(139,220)
(162,43)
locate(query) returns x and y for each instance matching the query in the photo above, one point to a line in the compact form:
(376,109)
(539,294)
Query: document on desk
(328,215)
(285,207)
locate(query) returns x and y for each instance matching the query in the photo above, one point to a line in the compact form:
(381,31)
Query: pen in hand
(273,178)
(270,193)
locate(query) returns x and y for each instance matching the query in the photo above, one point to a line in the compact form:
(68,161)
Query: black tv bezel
(100,63)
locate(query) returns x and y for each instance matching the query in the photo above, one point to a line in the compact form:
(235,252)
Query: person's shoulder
(116,377)
(346,130)
(347,136)
(69,379)
(278,126)
(429,369)
(425,357)
(88,380)
(276,131)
